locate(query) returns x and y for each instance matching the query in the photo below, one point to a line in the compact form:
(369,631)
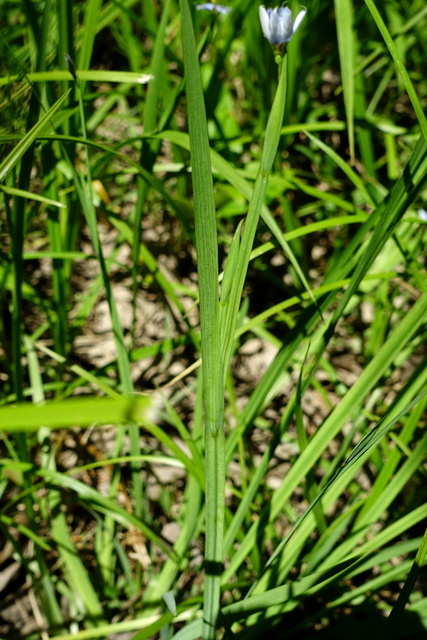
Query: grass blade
(212,364)
(14,156)
(344,15)
(401,69)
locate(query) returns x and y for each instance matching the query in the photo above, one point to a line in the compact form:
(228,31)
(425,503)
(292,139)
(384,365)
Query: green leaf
(93,76)
(76,412)
(344,15)
(16,154)
(212,360)
(169,599)
(21,193)
(400,66)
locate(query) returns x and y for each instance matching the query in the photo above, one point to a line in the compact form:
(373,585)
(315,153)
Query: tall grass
(213,322)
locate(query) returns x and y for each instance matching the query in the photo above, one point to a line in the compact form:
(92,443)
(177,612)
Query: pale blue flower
(422,214)
(278,26)
(211,6)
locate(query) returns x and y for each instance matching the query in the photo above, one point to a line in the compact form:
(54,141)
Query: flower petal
(284,20)
(264,18)
(211,6)
(223,9)
(278,26)
(300,17)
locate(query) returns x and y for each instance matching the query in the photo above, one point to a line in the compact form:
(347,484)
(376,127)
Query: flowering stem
(212,368)
(275,121)
(271,143)
(217,333)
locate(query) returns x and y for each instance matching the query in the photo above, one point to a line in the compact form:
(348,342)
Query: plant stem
(212,365)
